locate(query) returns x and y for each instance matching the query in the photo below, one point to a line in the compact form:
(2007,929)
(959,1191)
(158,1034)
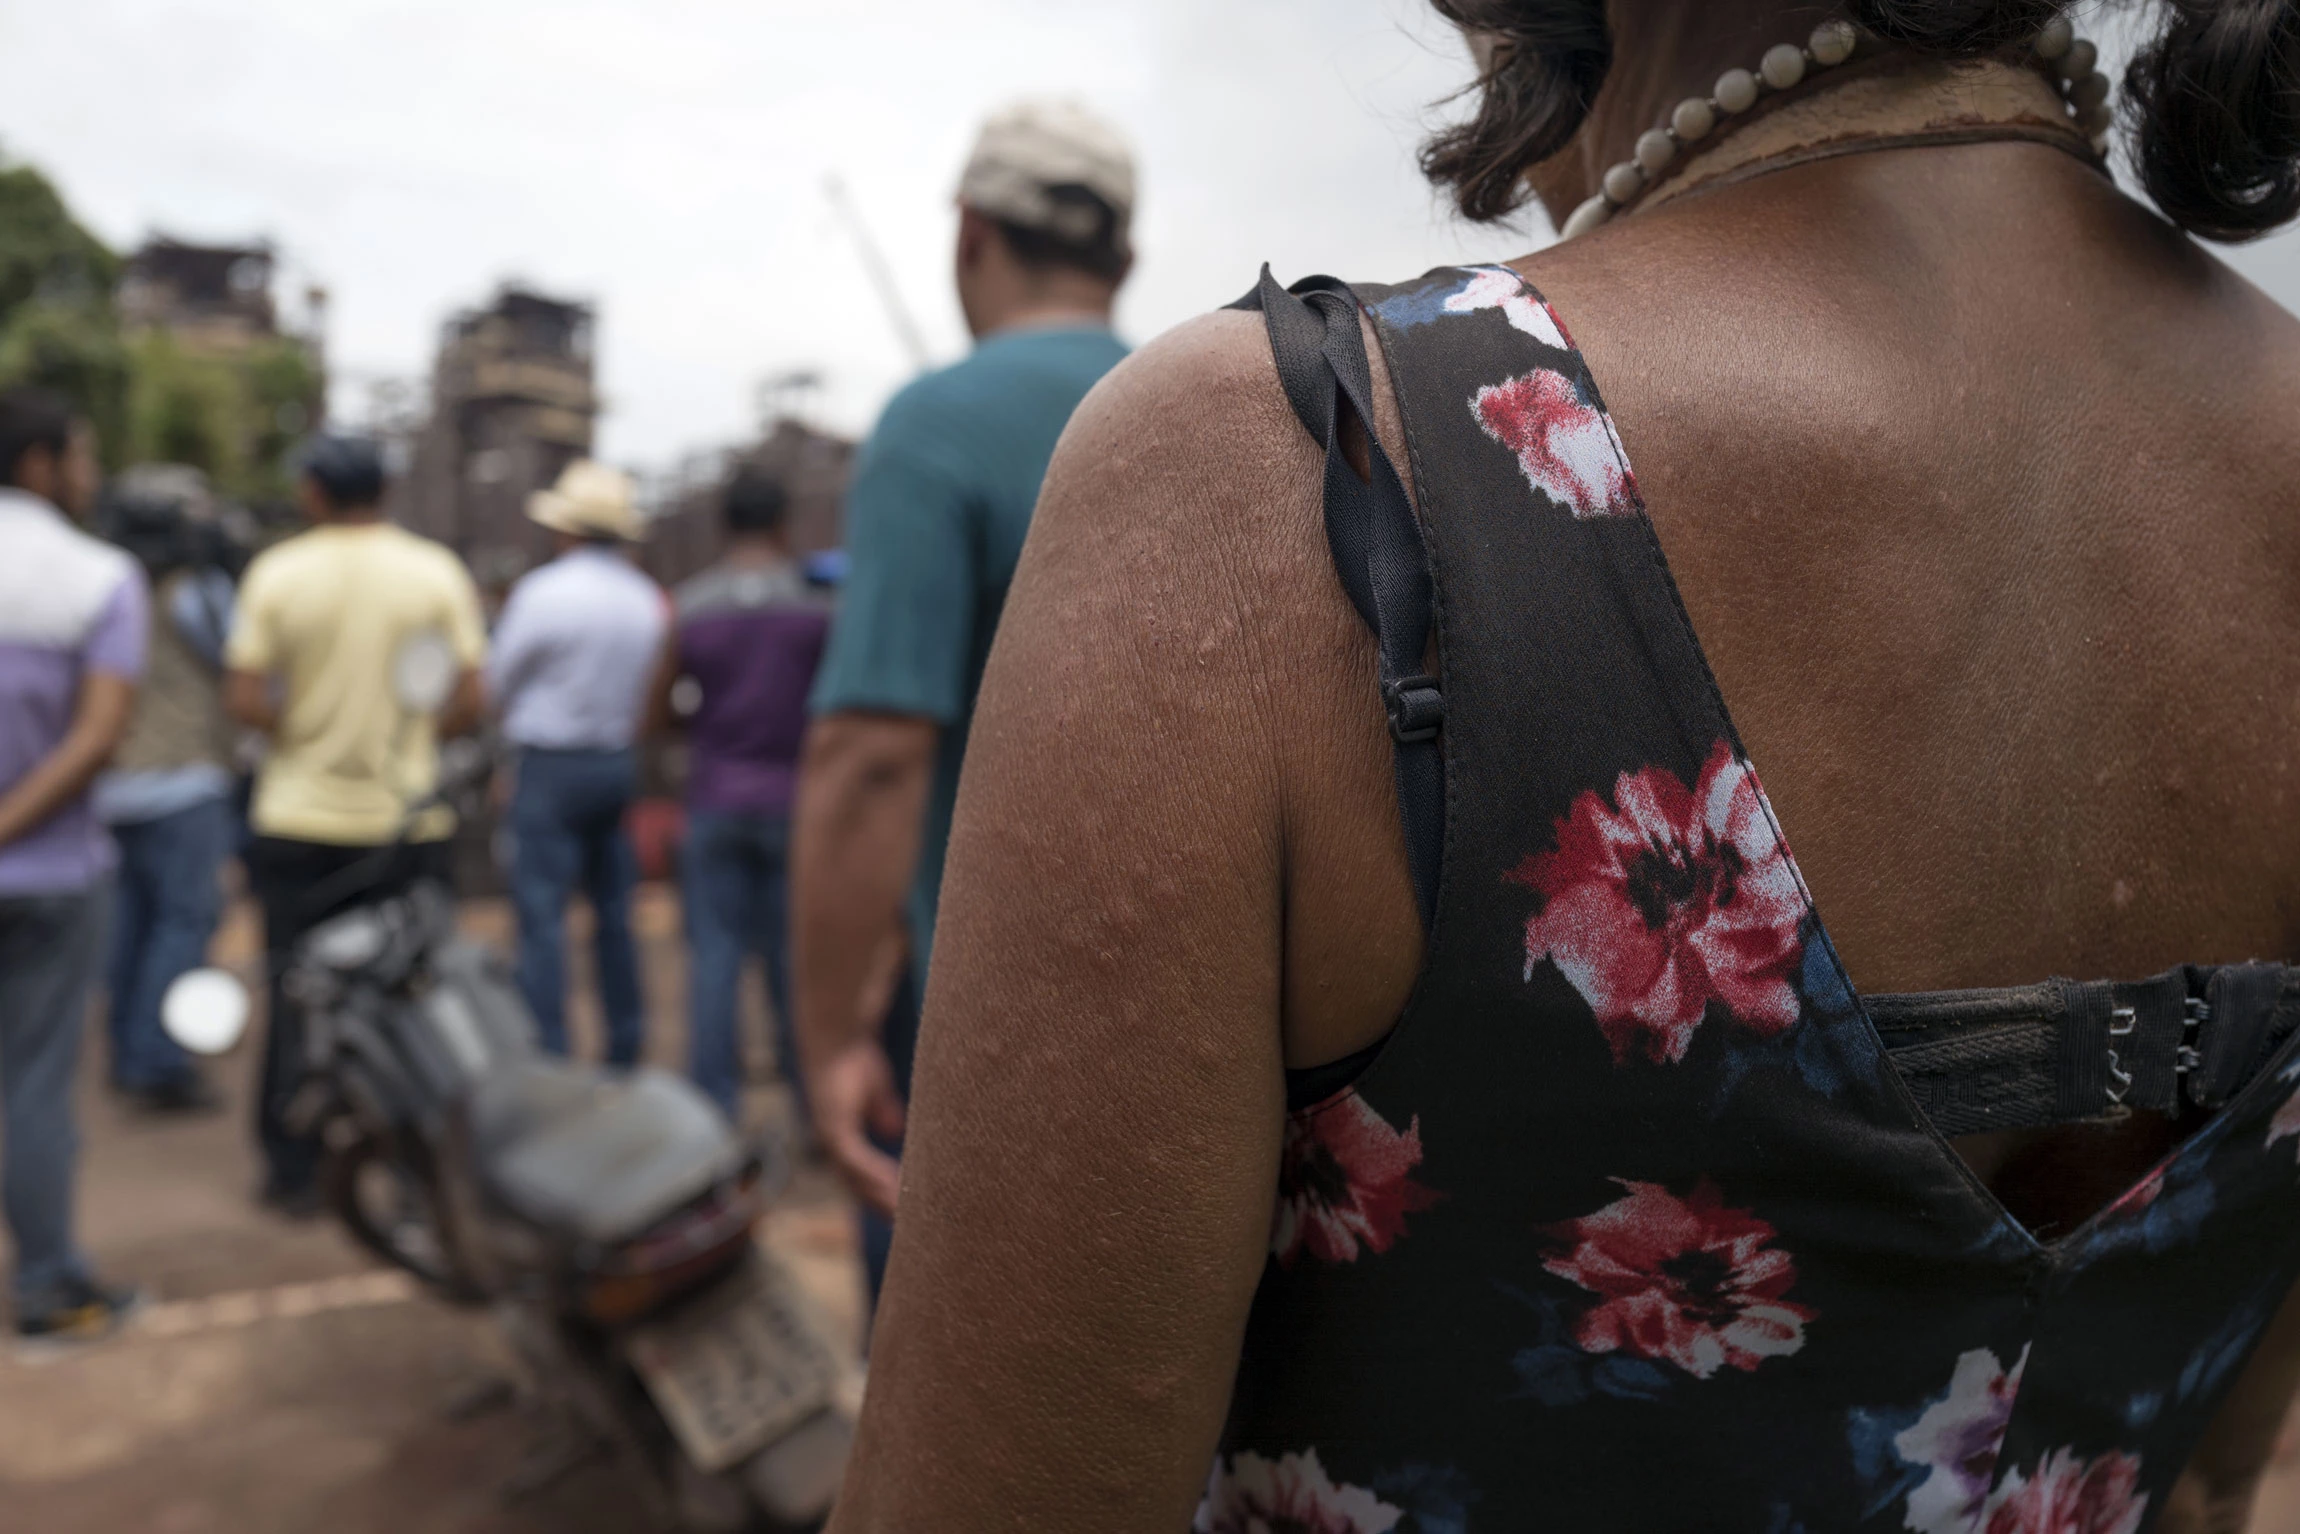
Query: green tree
(233,415)
(76,350)
(57,327)
(45,254)
(283,393)
(186,409)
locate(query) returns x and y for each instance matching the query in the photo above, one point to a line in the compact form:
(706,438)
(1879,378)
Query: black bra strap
(1375,540)
(2068,1051)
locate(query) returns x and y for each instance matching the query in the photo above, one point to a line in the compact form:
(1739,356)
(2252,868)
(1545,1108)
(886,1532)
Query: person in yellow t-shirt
(321,623)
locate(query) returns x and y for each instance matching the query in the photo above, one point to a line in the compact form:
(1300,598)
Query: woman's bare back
(1981,495)
(1983,498)
(1971,477)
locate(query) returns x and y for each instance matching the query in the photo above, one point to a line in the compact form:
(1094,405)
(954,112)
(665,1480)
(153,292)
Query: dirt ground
(283,1384)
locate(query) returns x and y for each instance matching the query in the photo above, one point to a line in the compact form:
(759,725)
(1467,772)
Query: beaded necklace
(1900,101)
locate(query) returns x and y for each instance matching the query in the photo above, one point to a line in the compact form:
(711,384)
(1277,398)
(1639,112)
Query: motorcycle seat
(601,1155)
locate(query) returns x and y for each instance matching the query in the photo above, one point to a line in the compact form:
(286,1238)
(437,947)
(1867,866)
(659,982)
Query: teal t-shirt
(941,499)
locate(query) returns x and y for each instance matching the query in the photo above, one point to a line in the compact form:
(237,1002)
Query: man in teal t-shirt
(935,521)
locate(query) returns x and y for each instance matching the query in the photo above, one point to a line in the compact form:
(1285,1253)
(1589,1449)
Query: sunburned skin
(1980,486)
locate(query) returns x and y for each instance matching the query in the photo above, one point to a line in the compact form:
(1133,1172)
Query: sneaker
(79,1310)
(185,1096)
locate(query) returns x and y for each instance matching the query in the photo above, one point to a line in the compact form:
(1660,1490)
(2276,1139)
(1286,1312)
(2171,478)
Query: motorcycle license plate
(737,1368)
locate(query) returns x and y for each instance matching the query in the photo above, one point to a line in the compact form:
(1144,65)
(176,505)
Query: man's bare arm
(99,721)
(466,706)
(2215,1492)
(248,699)
(656,715)
(863,782)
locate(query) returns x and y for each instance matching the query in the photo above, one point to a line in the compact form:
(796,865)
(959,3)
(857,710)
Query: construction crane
(880,274)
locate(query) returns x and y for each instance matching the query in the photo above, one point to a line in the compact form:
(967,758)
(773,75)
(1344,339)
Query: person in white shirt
(573,653)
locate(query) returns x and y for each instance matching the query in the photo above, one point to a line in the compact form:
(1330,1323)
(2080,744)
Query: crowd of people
(164,713)
(1383,1067)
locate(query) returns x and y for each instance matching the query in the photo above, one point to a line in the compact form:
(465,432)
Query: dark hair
(347,469)
(31,418)
(1103,254)
(1548,61)
(2212,105)
(2216,102)
(754,502)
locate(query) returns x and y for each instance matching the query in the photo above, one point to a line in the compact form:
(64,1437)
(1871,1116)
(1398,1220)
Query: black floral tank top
(1642,1219)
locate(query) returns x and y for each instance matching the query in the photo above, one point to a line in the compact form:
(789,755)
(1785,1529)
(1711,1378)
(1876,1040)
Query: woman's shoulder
(1197,372)
(1199,408)
(1188,496)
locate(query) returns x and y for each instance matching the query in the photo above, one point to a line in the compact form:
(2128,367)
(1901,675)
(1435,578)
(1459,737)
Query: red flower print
(1685,1280)
(1288,1495)
(1566,445)
(1343,1183)
(2071,1496)
(1666,900)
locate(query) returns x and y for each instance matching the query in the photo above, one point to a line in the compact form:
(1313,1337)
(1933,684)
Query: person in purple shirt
(73,620)
(750,634)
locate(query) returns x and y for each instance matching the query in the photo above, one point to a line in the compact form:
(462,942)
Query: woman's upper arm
(1088,1179)
(2217,1488)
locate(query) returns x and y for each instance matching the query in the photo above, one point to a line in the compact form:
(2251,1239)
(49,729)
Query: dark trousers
(50,949)
(300,885)
(165,914)
(735,872)
(567,812)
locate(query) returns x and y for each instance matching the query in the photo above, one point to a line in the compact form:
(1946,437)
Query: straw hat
(590,501)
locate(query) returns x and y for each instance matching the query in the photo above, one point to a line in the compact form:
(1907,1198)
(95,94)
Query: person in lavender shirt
(750,633)
(73,621)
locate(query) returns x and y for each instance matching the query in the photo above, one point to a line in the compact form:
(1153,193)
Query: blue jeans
(736,873)
(166,912)
(567,833)
(50,949)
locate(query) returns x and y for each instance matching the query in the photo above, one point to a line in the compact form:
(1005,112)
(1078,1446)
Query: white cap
(1029,147)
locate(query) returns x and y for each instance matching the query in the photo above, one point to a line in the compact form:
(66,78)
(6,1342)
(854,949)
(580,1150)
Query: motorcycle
(608,1217)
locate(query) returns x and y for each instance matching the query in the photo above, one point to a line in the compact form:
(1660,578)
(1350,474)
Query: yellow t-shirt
(326,612)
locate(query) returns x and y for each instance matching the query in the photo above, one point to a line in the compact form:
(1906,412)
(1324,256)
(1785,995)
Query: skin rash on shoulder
(1178,817)
(1175,752)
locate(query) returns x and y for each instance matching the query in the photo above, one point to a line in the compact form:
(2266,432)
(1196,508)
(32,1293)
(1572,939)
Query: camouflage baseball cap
(1030,147)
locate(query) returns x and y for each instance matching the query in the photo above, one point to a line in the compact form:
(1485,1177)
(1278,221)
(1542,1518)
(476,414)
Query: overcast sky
(666,159)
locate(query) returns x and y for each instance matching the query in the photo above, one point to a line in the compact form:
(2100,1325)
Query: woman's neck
(1894,101)
(1662,53)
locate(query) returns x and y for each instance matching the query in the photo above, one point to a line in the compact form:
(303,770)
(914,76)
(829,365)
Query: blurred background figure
(935,520)
(750,635)
(73,619)
(573,654)
(168,797)
(323,621)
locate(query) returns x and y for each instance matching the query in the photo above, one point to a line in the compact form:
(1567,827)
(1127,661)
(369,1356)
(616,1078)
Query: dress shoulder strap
(1374,538)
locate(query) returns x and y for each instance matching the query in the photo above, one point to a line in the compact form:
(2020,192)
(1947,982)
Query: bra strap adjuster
(1416,708)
